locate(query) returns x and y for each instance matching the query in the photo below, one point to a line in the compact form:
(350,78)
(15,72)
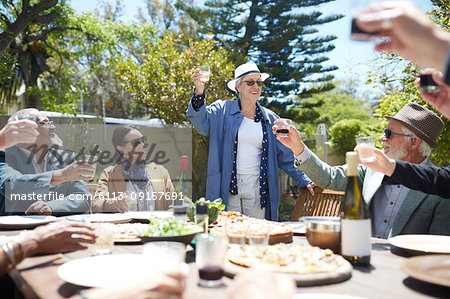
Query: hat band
(248,73)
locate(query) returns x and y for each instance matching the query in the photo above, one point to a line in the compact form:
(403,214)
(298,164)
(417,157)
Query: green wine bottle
(355,218)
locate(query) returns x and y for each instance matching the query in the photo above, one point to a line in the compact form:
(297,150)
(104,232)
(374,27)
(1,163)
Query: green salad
(168,227)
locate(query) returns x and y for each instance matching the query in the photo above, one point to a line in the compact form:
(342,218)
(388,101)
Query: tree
(162,81)
(26,26)
(331,107)
(165,16)
(278,35)
(85,62)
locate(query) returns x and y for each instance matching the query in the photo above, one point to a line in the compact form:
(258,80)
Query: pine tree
(277,35)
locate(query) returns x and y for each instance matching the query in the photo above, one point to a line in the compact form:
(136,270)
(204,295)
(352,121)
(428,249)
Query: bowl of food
(324,232)
(168,229)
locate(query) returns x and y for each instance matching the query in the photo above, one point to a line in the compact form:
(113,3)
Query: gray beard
(399,154)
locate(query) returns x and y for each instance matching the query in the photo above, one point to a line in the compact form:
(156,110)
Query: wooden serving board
(280,238)
(342,273)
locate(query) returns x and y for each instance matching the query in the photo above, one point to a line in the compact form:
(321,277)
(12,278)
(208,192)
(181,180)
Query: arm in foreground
(52,238)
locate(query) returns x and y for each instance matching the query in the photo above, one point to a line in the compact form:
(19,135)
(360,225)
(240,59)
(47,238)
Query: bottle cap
(201,208)
(179,210)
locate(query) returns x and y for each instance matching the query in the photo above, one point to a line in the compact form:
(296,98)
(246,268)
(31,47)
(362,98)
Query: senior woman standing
(244,155)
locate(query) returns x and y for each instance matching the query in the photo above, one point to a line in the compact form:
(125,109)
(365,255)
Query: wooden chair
(327,203)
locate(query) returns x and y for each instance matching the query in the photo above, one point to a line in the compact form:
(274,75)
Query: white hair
(424,148)
(238,82)
(26,113)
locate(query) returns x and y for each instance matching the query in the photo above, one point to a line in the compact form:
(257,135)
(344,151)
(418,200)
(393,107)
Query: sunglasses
(251,83)
(137,141)
(44,124)
(388,133)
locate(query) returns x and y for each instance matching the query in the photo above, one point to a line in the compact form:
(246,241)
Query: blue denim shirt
(221,121)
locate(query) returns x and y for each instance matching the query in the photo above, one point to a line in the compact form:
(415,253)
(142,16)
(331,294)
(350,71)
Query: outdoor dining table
(36,277)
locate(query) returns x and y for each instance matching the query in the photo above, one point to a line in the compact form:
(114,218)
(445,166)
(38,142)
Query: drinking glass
(105,238)
(209,257)
(258,234)
(366,147)
(204,72)
(236,232)
(92,161)
(165,255)
(428,85)
(283,127)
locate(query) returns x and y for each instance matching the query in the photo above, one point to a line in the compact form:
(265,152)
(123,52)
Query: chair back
(327,203)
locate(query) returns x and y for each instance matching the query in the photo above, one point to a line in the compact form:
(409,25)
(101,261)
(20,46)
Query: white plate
(24,221)
(420,244)
(429,268)
(105,271)
(298,228)
(144,215)
(110,218)
(323,296)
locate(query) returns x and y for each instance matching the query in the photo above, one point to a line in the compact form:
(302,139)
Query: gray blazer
(420,213)
(19,179)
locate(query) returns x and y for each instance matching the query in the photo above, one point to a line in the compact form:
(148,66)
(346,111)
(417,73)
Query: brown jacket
(112,181)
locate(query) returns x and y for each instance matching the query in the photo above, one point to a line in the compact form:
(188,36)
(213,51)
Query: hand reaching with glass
(199,81)
(292,140)
(18,131)
(440,100)
(381,163)
(73,172)
(411,33)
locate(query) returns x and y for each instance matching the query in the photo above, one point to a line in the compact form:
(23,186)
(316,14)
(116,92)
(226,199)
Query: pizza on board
(128,232)
(286,258)
(279,233)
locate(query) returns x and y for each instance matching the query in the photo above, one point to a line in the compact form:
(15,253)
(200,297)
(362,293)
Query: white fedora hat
(243,70)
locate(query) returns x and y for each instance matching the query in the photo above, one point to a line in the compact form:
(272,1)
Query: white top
(249,147)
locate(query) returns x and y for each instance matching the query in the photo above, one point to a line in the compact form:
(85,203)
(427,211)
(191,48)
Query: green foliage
(344,133)
(277,35)
(162,81)
(441,15)
(166,16)
(329,108)
(84,62)
(25,27)
(10,80)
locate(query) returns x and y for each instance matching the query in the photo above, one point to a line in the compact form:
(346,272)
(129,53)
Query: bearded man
(35,178)
(395,209)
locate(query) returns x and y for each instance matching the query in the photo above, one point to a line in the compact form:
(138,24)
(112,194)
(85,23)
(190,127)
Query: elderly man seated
(395,209)
(36,179)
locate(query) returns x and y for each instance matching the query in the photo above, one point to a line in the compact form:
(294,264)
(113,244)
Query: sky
(352,58)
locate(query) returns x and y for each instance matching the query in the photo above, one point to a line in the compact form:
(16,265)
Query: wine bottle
(355,218)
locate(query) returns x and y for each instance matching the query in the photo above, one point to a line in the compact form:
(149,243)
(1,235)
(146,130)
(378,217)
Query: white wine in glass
(204,72)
